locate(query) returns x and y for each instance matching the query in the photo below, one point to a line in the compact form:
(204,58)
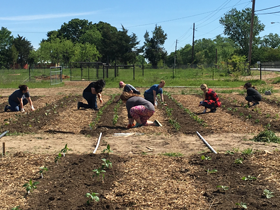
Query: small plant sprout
(57,158)
(42,170)
(16,208)
(64,150)
(30,186)
(248,151)
(92,196)
(248,178)
(239,161)
(223,187)
(211,171)
(98,172)
(229,152)
(205,157)
(257,121)
(106,163)
(108,149)
(268,194)
(242,205)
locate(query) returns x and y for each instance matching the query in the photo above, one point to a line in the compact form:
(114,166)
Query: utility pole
(251,35)
(193,43)
(175,59)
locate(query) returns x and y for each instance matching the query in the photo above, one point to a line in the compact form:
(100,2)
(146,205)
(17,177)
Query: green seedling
(16,208)
(276,116)
(241,114)
(106,163)
(229,109)
(223,106)
(57,158)
(115,119)
(229,152)
(239,161)
(242,205)
(268,194)
(248,178)
(248,151)
(249,116)
(235,110)
(92,197)
(211,171)
(108,149)
(247,106)
(30,186)
(64,150)
(257,121)
(173,154)
(223,187)
(205,157)
(42,170)
(98,172)
(268,116)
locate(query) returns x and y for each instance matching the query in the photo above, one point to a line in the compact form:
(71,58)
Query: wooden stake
(4,149)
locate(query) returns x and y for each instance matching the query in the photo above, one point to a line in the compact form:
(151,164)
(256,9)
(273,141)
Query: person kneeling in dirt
(151,94)
(210,99)
(128,88)
(18,99)
(252,94)
(138,109)
(93,89)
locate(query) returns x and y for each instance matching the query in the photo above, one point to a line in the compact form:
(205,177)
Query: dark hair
(99,85)
(249,85)
(23,87)
(125,96)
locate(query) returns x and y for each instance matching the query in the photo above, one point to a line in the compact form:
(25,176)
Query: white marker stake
(205,142)
(97,143)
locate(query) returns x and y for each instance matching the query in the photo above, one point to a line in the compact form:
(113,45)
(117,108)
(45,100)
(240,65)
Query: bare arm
(31,103)
(155,96)
(20,103)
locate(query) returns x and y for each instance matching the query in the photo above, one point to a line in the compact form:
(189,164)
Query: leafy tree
(85,53)
(153,47)
(23,47)
(237,27)
(205,51)
(6,41)
(271,40)
(225,48)
(14,54)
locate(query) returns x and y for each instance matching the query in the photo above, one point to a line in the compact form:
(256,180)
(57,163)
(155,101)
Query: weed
(242,205)
(205,158)
(30,186)
(172,154)
(257,121)
(16,208)
(239,161)
(223,187)
(235,110)
(42,170)
(247,151)
(223,106)
(92,196)
(248,178)
(229,152)
(249,116)
(241,114)
(277,116)
(211,171)
(268,116)
(266,136)
(229,109)
(268,194)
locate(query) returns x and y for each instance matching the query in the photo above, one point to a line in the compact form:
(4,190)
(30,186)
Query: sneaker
(213,110)
(157,123)
(6,108)
(79,105)
(137,125)
(96,109)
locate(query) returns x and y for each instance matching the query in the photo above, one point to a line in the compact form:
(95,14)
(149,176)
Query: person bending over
(252,94)
(138,109)
(90,92)
(151,94)
(210,99)
(19,99)
(128,88)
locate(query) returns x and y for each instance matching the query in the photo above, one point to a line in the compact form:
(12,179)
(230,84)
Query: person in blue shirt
(18,99)
(151,94)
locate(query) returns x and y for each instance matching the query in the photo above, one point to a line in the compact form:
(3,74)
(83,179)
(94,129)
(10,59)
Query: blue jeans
(14,106)
(209,106)
(91,99)
(149,97)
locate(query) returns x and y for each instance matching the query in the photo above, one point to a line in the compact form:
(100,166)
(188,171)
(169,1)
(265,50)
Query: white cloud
(47,16)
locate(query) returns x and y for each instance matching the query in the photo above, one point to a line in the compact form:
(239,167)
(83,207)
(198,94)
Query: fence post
(133,72)
(143,70)
(29,73)
(88,72)
(70,72)
(97,70)
(103,72)
(260,71)
(115,69)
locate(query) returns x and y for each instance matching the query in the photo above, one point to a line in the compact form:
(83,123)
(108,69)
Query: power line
(268,13)
(267,8)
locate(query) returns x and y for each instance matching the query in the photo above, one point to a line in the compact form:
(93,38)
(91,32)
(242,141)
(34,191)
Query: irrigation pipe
(3,134)
(205,142)
(97,145)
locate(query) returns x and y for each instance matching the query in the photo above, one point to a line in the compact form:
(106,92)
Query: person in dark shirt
(18,99)
(128,88)
(138,109)
(210,99)
(90,92)
(252,94)
(151,94)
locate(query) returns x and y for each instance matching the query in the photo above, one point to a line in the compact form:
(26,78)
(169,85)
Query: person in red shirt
(211,99)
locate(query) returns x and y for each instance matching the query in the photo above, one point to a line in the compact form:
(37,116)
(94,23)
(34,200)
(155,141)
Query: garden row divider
(205,142)
(97,145)
(4,149)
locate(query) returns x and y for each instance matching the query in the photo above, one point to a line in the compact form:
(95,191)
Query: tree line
(84,41)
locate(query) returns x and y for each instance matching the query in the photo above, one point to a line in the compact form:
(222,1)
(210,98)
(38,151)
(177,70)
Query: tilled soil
(219,122)
(229,174)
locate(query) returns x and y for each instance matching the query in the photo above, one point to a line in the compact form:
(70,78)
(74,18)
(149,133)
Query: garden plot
(262,114)
(71,120)
(220,121)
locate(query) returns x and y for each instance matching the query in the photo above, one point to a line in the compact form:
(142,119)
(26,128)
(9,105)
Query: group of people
(139,109)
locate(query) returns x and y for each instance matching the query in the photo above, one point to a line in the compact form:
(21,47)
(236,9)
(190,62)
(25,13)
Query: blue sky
(33,19)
